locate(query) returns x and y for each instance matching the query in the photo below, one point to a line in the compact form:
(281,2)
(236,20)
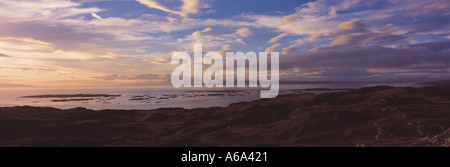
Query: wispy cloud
(332,11)
(24,44)
(42,9)
(188,7)
(240,40)
(129,77)
(278,38)
(273,47)
(191,6)
(206,32)
(96,16)
(433,8)
(29,69)
(156,5)
(244,32)
(3,55)
(291,48)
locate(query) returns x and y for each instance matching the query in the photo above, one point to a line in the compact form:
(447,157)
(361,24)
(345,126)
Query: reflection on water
(123,98)
(149,98)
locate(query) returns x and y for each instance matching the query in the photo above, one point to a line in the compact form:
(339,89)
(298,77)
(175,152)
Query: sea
(145,98)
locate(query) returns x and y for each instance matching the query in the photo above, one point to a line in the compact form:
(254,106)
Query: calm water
(146,97)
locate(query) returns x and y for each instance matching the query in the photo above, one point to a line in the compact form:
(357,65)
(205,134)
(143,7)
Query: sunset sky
(128,42)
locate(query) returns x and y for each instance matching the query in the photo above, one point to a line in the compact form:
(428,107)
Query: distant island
(366,117)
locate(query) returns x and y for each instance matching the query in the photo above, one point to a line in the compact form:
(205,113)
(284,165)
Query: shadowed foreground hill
(373,116)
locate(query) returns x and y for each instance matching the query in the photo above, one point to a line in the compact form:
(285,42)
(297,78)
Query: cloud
(315,18)
(352,26)
(355,32)
(297,23)
(226,47)
(3,55)
(240,40)
(346,4)
(291,48)
(118,33)
(42,9)
(212,40)
(315,37)
(96,16)
(37,49)
(365,39)
(156,5)
(29,69)
(273,47)
(65,37)
(278,38)
(14,85)
(130,77)
(309,18)
(188,7)
(406,56)
(433,8)
(24,44)
(348,39)
(244,32)
(161,60)
(288,18)
(206,32)
(332,11)
(191,6)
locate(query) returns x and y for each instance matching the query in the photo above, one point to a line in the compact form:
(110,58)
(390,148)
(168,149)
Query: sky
(130,42)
